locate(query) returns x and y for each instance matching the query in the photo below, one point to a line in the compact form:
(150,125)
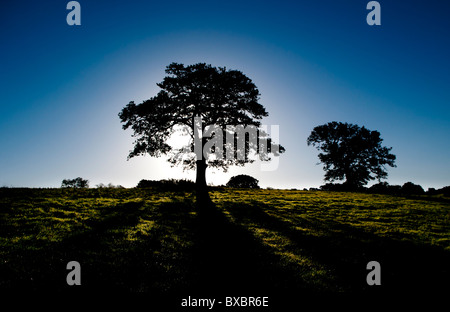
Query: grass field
(255,241)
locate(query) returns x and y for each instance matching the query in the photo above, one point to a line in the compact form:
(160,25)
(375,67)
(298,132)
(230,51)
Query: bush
(385,188)
(243,181)
(110,185)
(75,183)
(379,188)
(444,191)
(341,187)
(410,188)
(169,185)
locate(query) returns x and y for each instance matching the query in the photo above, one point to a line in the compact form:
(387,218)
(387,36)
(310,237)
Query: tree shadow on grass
(129,247)
(42,267)
(344,251)
(150,260)
(228,260)
(182,253)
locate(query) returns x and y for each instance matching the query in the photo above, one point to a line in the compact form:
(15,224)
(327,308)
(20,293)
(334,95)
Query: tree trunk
(203,199)
(351,183)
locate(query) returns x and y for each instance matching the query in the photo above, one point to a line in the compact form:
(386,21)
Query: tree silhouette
(216,95)
(410,188)
(352,153)
(75,183)
(243,181)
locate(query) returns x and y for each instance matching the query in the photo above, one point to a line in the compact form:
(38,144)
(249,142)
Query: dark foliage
(168,185)
(444,191)
(352,153)
(385,188)
(341,187)
(243,181)
(75,183)
(410,188)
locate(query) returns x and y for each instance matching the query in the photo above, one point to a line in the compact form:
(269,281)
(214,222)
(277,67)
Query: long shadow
(153,264)
(43,268)
(406,267)
(211,254)
(228,260)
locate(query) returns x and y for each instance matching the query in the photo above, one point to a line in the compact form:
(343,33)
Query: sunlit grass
(144,239)
(417,220)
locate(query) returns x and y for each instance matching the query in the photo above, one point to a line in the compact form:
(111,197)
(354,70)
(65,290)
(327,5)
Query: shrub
(341,187)
(385,188)
(444,191)
(110,185)
(243,181)
(75,183)
(170,185)
(410,188)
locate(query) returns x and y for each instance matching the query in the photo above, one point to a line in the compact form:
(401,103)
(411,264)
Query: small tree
(352,153)
(243,181)
(75,183)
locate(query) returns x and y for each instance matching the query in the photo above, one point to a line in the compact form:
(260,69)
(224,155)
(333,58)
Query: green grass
(149,241)
(419,221)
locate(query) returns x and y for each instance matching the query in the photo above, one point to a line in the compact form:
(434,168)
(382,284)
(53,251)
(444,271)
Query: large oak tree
(219,97)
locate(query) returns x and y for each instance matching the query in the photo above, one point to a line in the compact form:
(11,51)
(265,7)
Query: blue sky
(62,86)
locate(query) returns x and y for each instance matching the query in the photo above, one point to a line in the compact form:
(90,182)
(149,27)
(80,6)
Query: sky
(313,62)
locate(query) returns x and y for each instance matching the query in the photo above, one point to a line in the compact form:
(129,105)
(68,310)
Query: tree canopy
(351,152)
